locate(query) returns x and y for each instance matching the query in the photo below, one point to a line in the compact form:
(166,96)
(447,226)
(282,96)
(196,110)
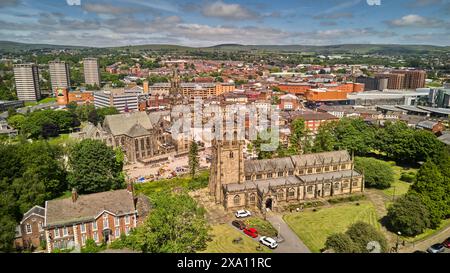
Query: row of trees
(33,172)
(44,123)
(427,202)
(88,112)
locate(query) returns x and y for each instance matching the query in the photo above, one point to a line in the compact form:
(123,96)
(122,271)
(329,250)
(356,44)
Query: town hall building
(277,183)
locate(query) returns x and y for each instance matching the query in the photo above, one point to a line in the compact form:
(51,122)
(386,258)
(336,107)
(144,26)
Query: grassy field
(184,182)
(46,100)
(399,187)
(222,241)
(313,228)
(263,227)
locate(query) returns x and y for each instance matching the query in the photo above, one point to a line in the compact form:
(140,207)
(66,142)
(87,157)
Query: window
(327,169)
(291,172)
(280,195)
(309,189)
(336,185)
(345,185)
(258,176)
(105,221)
(41,226)
(94,225)
(117,234)
(343,167)
(95,236)
(302,171)
(310,170)
(127,230)
(237,200)
(269,175)
(56,232)
(116,221)
(248,177)
(335,167)
(252,198)
(318,170)
(280,174)
(83,239)
(327,187)
(355,183)
(127,219)
(231,154)
(291,192)
(83,228)
(29,229)
(65,231)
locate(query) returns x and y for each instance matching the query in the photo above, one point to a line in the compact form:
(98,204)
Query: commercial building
(27,82)
(59,74)
(64,97)
(395,81)
(122,100)
(192,90)
(373,83)
(413,78)
(91,71)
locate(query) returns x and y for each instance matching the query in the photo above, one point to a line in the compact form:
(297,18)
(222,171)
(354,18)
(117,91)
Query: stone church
(276,183)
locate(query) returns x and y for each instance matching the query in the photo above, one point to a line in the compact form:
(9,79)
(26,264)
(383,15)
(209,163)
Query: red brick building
(289,102)
(30,231)
(102,217)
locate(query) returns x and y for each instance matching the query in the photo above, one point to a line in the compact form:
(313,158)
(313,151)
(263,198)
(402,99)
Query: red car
(251,232)
(446,243)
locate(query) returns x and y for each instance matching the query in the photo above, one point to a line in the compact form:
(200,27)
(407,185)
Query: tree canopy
(377,173)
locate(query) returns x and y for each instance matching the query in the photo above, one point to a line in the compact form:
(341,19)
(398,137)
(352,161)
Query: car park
(269,242)
(436,248)
(252,232)
(242,213)
(238,224)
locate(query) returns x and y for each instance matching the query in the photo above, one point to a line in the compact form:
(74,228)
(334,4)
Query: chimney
(74,195)
(130,186)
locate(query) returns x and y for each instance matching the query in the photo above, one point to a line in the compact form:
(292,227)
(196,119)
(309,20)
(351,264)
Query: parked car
(436,248)
(446,243)
(269,242)
(252,232)
(238,224)
(242,213)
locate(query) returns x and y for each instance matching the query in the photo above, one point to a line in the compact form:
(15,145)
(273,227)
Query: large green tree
(377,173)
(408,215)
(175,225)
(364,234)
(341,243)
(94,167)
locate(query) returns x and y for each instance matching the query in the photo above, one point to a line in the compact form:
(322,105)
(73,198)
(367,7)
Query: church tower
(175,85)
(227,166)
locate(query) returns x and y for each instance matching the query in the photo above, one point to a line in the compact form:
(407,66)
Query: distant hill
(6,46)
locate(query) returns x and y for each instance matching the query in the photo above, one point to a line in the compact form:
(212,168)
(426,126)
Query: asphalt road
(291,243)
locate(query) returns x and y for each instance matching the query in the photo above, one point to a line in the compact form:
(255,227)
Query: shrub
(363,233)
(341,243)
(408,177)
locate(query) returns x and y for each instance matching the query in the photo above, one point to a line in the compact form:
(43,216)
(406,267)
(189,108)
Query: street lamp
(393,195)
(398,238)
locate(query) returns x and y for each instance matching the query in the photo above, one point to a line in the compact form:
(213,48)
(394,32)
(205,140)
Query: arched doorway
(269,203)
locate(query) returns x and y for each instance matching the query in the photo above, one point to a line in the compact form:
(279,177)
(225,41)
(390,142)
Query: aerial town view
(224,126)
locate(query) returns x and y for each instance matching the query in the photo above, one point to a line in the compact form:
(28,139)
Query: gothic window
(309,189)
(280,174)
(291,192)
(327,168)
(136,144)
(335,167)
(258,176)
(142,144)
(237,200)
(252,198)
(345,185)
(343,167)
(336,185)
(280,195)
(291,172)
(355,183)
(248,177)
(269,175)
(231,154)
(327,187)
(318,170)
(302,171)
(310,170)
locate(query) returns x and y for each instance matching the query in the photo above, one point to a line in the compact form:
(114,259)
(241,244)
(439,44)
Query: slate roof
(122,123)
(268,165)
(88,207)
(445,138)
(321,158)
(328,176)
(427,124)
(38,210)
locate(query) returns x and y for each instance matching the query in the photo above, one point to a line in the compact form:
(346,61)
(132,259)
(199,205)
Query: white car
(269,242)
(242,213)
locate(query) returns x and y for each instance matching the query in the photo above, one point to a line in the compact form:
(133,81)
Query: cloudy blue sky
(211,22)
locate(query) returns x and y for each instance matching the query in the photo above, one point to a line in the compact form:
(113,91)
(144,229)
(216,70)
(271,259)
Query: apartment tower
(27,82)
(59,75)
(91,71)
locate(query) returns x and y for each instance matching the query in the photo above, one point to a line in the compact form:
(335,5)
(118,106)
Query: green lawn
(428,232)
(184,182)
(222,241)
(46,100)
(313,228)
(399,187)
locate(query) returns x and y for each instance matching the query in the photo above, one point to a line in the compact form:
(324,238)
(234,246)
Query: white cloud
(223,10)
(414,20)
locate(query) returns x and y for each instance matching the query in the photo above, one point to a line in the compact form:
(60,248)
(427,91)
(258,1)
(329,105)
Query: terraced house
(273,184)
